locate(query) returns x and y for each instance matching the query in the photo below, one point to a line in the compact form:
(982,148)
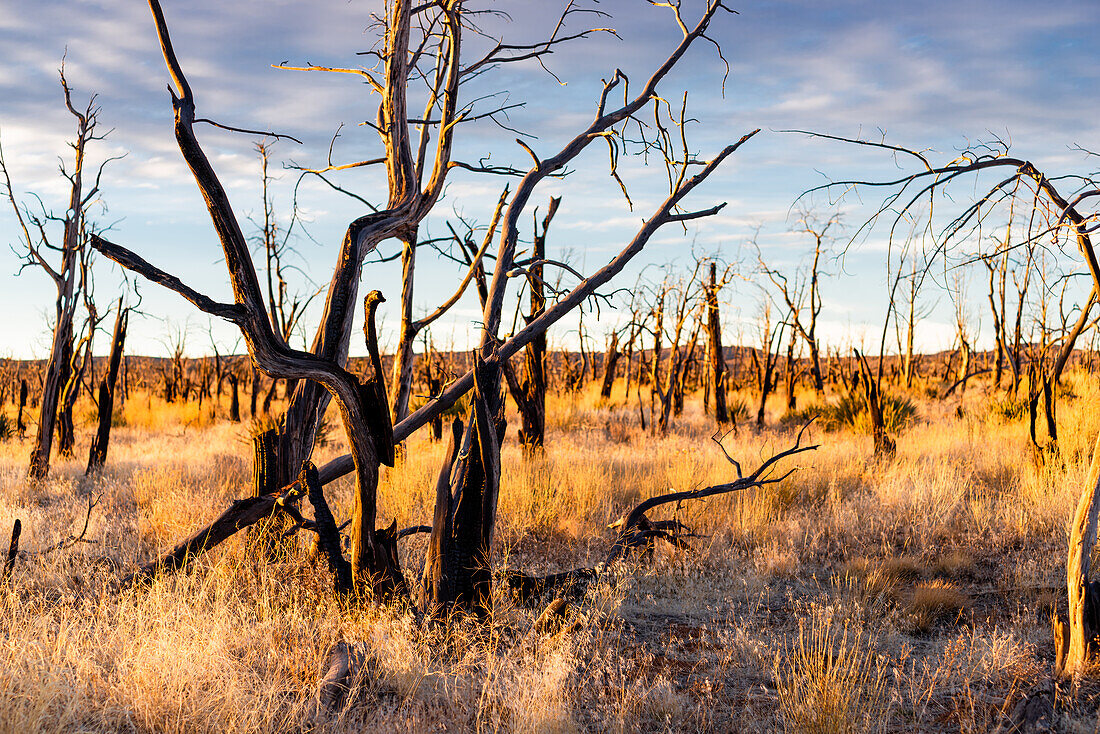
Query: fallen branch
(238,516)
(636,530)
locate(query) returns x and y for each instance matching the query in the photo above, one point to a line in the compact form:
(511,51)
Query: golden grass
(830,681)
(915,588)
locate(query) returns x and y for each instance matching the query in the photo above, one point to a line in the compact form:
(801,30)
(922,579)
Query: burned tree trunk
(610,361)
(266,480)
(79,358)
(97,455)
(885,448)
(68,278)
(20,424)
(531,394)
(235,397)
(457,571)
(791,375)
(715,356)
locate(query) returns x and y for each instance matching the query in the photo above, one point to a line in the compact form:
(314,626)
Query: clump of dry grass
(932,602)
(830,681)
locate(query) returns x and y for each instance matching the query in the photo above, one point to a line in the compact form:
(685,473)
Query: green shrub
(850,411)
(1008,408)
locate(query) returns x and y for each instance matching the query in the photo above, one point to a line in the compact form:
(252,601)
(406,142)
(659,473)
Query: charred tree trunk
(531,396)
(234,398)
(610,361)
(20,424)
(791,376)
(267,479)
(66,430)
(885,448)
(253,389)
(715,355)
(97,455)
(457,571)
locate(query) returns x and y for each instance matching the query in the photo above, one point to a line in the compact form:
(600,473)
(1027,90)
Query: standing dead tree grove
(458,568)
(1057,215)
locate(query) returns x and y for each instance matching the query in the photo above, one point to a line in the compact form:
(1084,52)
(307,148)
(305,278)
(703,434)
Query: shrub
(1008,409)
(850,411)
(7,428)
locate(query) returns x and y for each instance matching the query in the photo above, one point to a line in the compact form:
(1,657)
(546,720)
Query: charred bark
(715,356)
(610,362)
(97,455)
(457,571)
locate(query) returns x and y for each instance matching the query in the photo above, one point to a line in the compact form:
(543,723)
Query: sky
(931,75)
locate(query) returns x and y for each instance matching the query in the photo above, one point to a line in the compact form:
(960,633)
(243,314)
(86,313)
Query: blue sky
(934,75)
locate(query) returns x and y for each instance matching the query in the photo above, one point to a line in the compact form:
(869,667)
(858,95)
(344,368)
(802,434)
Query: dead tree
(285,309)
(20,425)
(529,388)
(885,447)
(962,332)
(462,533)
(771,336)
(421,55)
(803,296)
(97,455)
(716,359)
(610,362)
(411,327)
(66,276)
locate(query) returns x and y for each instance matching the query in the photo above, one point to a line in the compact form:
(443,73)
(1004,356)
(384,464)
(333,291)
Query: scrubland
(857,595)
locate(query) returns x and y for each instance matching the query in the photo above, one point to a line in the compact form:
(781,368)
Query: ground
(900,595)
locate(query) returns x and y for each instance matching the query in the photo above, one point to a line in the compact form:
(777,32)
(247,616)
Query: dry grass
(830,681)
(918,589)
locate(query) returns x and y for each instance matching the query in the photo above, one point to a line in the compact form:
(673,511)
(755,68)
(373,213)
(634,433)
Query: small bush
(7,427)
(1008,409)
(850,411)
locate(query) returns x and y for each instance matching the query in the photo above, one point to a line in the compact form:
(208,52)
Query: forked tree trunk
(70,389)
(97,455)
(458,570)
(885,447)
